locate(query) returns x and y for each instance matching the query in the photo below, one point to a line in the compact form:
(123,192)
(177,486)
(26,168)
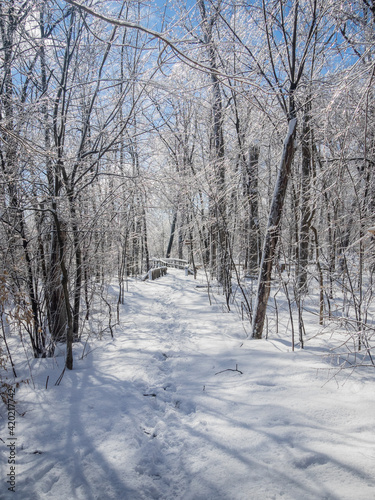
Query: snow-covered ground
(161,412)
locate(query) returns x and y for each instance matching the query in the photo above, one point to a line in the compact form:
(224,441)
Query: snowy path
(156,414)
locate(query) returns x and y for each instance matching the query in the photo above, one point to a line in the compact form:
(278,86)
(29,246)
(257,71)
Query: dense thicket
(238,136)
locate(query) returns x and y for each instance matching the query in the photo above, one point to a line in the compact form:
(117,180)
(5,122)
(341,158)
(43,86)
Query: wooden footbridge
(160,266)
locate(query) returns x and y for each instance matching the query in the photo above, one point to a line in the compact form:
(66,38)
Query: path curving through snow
(160,413)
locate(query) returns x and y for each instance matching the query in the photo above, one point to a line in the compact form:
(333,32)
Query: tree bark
(171,238)
(253,248)
(272,233)
(306,215)
(57,307)
(219,237)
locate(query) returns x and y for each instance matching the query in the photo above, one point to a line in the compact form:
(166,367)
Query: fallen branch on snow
(230,370)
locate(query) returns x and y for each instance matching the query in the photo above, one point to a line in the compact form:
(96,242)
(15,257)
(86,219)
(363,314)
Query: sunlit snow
(182,405)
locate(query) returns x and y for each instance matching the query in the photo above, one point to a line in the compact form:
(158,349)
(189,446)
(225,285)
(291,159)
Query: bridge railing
(159,267)
(176,263)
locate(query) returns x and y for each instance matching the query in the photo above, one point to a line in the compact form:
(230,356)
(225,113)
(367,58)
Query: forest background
(238,136)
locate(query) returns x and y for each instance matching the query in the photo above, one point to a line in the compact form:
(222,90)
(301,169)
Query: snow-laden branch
(155,34)
(163,38)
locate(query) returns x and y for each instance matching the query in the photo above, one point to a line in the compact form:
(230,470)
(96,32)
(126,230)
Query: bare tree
(288,19)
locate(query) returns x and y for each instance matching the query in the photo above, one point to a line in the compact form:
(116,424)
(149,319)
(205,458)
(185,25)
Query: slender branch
(230,370)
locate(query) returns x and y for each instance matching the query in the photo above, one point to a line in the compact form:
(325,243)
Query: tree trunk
(171,238)
(306,215)
(145,252)
(253,248)
(60,235)
(272,233)
(57,308)
(219,239)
